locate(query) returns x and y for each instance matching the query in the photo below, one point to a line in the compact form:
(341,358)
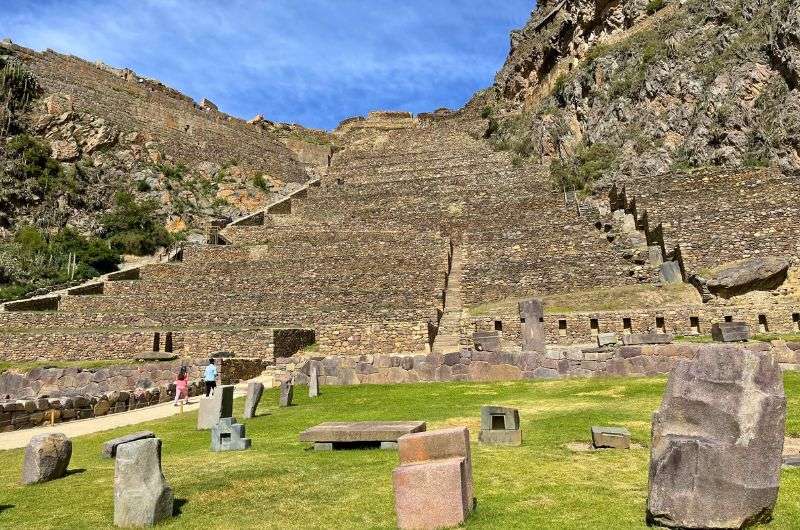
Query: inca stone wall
(583,327)
(502,366)
(56,395)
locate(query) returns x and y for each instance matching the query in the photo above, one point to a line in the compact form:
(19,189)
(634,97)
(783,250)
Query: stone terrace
(183,130)
(723,216)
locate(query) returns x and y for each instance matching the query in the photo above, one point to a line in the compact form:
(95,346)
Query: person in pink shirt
(181,388)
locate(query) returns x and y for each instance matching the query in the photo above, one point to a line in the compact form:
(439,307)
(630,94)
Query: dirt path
(17,439)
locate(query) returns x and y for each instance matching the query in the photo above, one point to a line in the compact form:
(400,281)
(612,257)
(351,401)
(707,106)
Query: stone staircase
(448,338)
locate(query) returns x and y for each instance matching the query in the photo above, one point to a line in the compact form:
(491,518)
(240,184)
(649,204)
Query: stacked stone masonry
(55,395)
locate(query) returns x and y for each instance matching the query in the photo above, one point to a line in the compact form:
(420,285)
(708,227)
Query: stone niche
(500,426)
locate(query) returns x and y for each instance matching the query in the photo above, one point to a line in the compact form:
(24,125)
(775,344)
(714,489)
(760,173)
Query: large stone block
(46,458)
(142,496)
(214,408)
(287,392)
(431,495)
(730,332)
(360,432)
(437,445)
(254,392)
(110,447)
(486,341)
(717,441)
(227,435)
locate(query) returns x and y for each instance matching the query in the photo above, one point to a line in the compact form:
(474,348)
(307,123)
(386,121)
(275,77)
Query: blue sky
(313,62)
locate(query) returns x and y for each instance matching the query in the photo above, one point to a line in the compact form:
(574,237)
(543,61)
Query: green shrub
(654,6)
(261,183)
(134,227)
(588,165)
(493,127)
(32,162)
(487,112)
(142,186)
(171,172)
(33,260)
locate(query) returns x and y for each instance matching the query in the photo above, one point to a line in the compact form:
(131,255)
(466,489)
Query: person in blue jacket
(210,377)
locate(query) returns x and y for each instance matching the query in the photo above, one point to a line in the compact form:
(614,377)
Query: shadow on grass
(75,471)
(4,507)
(177,506)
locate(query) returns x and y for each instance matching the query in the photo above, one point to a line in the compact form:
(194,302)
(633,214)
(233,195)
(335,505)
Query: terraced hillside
(425,229)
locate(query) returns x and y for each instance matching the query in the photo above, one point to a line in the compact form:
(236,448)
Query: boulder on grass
(46,458)
(717,441)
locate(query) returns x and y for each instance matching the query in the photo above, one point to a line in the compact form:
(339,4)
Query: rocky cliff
(651,85)
(111,129)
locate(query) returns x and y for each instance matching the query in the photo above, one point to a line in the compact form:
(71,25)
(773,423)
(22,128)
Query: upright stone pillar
(216,407)
(254,392)
(531,317)
(142,496)
(313,379)
(287,392)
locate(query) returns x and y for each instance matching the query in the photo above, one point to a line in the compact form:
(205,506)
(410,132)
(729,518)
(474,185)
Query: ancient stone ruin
(287,392)
(716,448)
(360,434)
(142,496)
(611,438)
(227,435)
(111,446)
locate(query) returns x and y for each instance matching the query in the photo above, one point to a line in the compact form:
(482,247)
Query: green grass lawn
(281,484)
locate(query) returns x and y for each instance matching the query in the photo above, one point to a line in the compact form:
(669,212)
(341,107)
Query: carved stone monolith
(717,441)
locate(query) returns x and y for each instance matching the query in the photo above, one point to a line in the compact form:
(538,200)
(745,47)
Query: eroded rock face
(46,458)
(717,441)
(755,274)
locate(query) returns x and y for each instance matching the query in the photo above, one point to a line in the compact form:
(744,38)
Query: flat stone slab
(360,431)
(155,356)
(611,437)
(791,461)
(639,339)
(110,447)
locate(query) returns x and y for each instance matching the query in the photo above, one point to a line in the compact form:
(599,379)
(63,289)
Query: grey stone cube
(227,435)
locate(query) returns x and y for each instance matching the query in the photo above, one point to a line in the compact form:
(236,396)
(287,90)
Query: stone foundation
(506,366)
